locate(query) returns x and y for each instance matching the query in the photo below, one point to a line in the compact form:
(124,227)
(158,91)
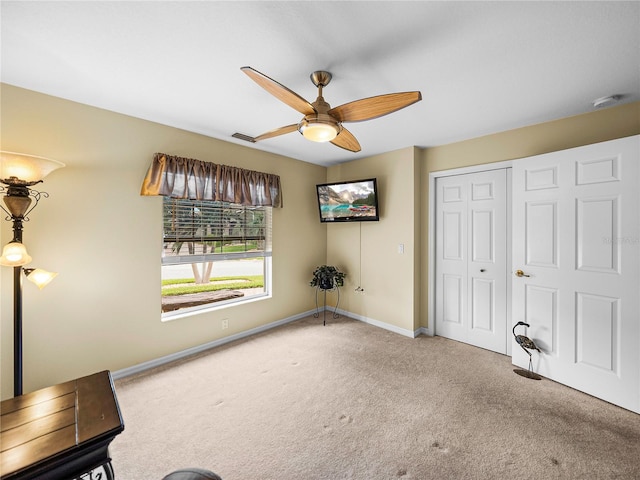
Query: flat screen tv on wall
(353,201)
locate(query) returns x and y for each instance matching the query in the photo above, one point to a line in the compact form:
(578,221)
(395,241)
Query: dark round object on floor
(528,374)
(192,474)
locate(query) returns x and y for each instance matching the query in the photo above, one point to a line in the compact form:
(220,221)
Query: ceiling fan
(321,123)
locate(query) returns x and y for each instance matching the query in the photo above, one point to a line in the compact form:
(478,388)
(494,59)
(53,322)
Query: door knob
(520,273)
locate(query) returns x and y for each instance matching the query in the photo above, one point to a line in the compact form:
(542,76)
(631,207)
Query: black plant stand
(324,311)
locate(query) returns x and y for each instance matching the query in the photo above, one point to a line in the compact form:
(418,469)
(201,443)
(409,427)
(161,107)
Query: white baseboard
(424,331)
(141,367)
(379,324)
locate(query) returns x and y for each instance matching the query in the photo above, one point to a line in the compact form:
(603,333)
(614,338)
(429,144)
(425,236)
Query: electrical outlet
(225,323)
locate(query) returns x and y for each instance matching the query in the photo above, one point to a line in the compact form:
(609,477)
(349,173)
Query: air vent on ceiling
(244,137)
(606,101)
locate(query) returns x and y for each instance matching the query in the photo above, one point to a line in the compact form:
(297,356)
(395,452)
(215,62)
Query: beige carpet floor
(351,401)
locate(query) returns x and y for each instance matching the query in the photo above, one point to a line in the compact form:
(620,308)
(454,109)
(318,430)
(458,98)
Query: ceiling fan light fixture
(318,131)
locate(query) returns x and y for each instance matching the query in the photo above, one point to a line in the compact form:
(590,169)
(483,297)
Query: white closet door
(471,259)
(576,237)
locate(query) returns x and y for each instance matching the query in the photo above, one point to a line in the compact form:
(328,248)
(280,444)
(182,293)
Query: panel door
(576,237)
(471,259)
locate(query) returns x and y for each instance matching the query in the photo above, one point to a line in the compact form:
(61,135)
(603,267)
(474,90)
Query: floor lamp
(19,172)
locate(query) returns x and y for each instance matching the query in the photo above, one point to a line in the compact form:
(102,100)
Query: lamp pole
(19,172)
(17,331)
(17,315)
(18,201)
(40,278)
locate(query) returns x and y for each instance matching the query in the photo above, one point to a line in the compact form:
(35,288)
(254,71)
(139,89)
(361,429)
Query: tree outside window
(214,253)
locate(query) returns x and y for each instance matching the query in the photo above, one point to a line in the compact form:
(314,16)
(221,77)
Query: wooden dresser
(60,432)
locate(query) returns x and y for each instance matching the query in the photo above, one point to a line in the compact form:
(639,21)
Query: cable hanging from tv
(359,288)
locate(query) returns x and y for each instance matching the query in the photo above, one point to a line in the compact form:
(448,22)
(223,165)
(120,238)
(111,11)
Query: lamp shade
(14,254)
(39,276)
(27,168)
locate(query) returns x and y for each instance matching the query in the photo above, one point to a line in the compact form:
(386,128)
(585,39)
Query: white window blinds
(205,231)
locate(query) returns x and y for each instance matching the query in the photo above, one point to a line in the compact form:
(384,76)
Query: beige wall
(104,239)
(599,126)
(103,310)
(389,278)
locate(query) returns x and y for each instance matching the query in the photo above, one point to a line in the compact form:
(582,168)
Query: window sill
(212,307)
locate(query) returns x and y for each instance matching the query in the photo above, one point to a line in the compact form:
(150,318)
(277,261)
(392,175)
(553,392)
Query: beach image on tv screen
(347,200)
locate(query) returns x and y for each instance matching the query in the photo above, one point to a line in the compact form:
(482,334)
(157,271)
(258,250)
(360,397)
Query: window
(216,231)
(214,253)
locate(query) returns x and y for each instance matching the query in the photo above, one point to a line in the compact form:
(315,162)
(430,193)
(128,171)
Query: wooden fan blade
(374,107)
(277,131)
(346,140)
(279,91)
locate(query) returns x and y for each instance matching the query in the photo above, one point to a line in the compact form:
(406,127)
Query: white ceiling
(482,67)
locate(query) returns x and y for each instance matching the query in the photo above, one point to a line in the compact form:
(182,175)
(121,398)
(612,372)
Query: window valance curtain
(178,177)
